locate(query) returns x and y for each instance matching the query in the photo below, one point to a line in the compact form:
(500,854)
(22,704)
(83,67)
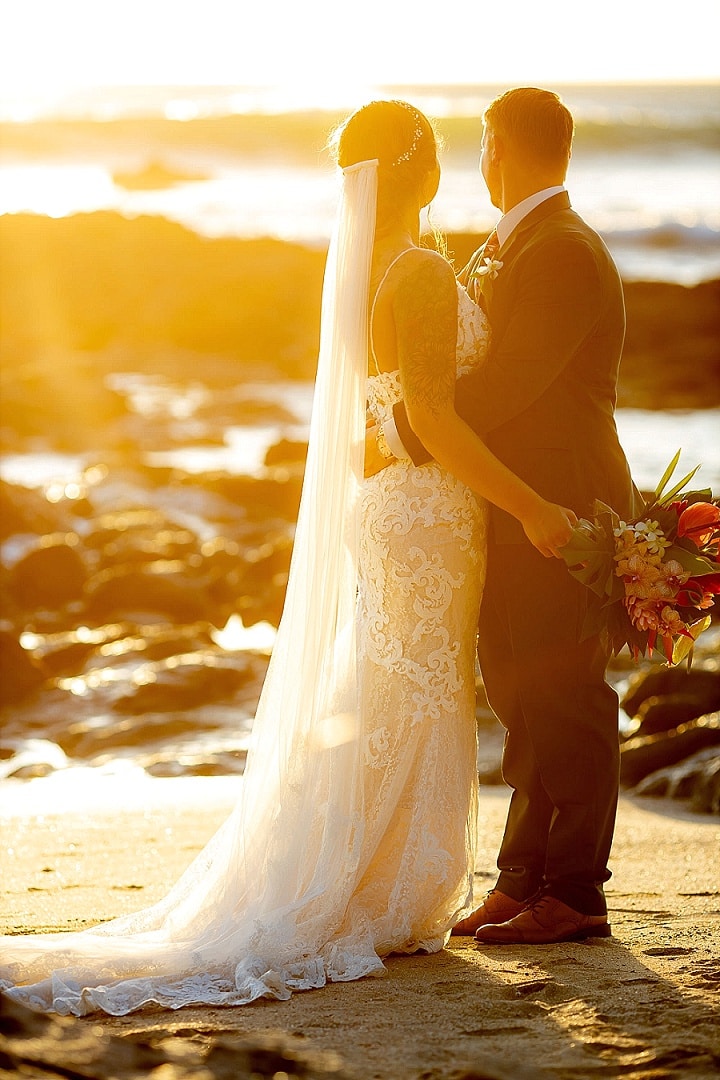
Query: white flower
(488,268)
(650,533)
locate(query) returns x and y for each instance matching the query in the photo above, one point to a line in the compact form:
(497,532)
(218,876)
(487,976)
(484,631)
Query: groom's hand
(374,460)
(562,533)
(550,528)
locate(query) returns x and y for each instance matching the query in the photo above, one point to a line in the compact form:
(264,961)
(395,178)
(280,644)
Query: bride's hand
(549,528)
(374,461)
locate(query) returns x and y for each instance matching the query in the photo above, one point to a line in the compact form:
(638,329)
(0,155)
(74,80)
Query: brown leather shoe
(495,908)
(544,922)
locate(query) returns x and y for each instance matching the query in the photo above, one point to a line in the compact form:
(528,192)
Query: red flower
(700,522)
(699,592)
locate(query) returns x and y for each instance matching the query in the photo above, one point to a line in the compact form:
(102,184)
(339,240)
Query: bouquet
(657,576)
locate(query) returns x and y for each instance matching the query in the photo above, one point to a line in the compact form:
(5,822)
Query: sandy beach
(641,1004)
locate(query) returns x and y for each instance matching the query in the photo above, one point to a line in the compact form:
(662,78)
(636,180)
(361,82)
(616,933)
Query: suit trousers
(561,755)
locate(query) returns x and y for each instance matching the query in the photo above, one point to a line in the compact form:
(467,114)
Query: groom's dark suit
(544,402)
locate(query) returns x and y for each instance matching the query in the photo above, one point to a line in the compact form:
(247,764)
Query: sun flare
(48,48)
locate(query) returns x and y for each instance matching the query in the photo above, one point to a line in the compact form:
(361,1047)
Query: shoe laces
(536,898)
(539,903)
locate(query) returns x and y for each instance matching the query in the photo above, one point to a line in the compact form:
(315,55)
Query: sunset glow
(49,48)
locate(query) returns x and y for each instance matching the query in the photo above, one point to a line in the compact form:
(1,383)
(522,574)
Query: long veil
(260,910)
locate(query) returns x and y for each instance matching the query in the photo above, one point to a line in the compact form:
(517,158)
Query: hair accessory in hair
(417,135)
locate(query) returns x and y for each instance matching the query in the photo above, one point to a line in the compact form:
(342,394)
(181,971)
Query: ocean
(246,162)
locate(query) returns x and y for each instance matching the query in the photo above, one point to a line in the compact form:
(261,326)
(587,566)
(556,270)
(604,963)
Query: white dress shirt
(506,226)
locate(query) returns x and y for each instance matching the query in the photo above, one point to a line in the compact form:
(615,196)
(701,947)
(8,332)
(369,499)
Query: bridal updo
(404,143)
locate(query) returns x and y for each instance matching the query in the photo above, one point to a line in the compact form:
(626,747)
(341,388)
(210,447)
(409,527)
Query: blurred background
(166,200)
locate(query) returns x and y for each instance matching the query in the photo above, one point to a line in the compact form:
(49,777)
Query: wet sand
(643,1003)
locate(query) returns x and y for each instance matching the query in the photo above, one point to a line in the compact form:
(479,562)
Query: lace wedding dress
(422,568)
(354,831)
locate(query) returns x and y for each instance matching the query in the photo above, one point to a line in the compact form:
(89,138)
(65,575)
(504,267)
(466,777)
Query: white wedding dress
(354,834)
(422,568)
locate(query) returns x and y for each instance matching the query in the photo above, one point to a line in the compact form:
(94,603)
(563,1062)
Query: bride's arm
(425,313)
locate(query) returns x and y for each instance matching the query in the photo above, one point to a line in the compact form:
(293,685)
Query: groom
(544,403)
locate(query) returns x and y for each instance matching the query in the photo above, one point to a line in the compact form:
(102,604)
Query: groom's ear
(496,147)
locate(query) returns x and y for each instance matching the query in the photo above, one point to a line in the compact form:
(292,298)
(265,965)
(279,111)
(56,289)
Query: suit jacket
(544,399)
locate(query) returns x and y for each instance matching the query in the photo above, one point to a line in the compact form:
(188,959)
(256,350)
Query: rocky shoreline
(97,288)
(137,338)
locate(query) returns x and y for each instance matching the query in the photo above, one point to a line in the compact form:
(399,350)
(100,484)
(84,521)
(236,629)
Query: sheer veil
(260,911)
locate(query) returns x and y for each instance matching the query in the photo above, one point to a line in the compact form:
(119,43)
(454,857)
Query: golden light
(310,50)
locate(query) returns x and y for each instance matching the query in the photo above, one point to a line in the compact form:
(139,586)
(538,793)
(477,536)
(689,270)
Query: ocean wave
(646,119)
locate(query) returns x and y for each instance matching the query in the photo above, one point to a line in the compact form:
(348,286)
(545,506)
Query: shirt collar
(509,222)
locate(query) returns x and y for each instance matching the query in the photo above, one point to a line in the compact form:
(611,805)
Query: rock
(155,643)
(140,535)
(699,685)
(163,544)
(705,796)
(263,498)
(51,390)
(285,451)
(156,175)
(147,285)
(185,682)
(644,754)
(23,510)
(97,735)
(33,1044)
(162,588)
(32,772)
(256,588)
(216,763)
(51,575)
(20,672)
(665,713)
(66,652)
(107,526)
(664,321)
(696,777)
(67,659)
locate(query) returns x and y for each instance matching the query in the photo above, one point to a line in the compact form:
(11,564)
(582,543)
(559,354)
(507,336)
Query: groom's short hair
(536,121)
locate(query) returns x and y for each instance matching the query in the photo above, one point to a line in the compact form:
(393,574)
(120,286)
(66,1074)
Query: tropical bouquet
(657,576)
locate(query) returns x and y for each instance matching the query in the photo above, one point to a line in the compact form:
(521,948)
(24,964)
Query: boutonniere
(489,268)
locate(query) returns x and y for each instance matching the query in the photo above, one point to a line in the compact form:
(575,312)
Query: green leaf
(705,495)
(673,491)
(666,475)
(684,645)
(696,565)
(667,520)
(589,556)
(600,508)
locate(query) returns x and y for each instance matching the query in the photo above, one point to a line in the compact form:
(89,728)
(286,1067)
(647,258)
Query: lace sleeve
(425,309)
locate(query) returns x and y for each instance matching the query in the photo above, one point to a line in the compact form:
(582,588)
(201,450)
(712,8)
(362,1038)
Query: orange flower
(643,579)
(671,622)
(643,613)
(700,522)
(674,575)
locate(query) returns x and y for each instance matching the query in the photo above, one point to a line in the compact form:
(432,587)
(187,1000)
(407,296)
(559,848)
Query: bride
(353,836)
